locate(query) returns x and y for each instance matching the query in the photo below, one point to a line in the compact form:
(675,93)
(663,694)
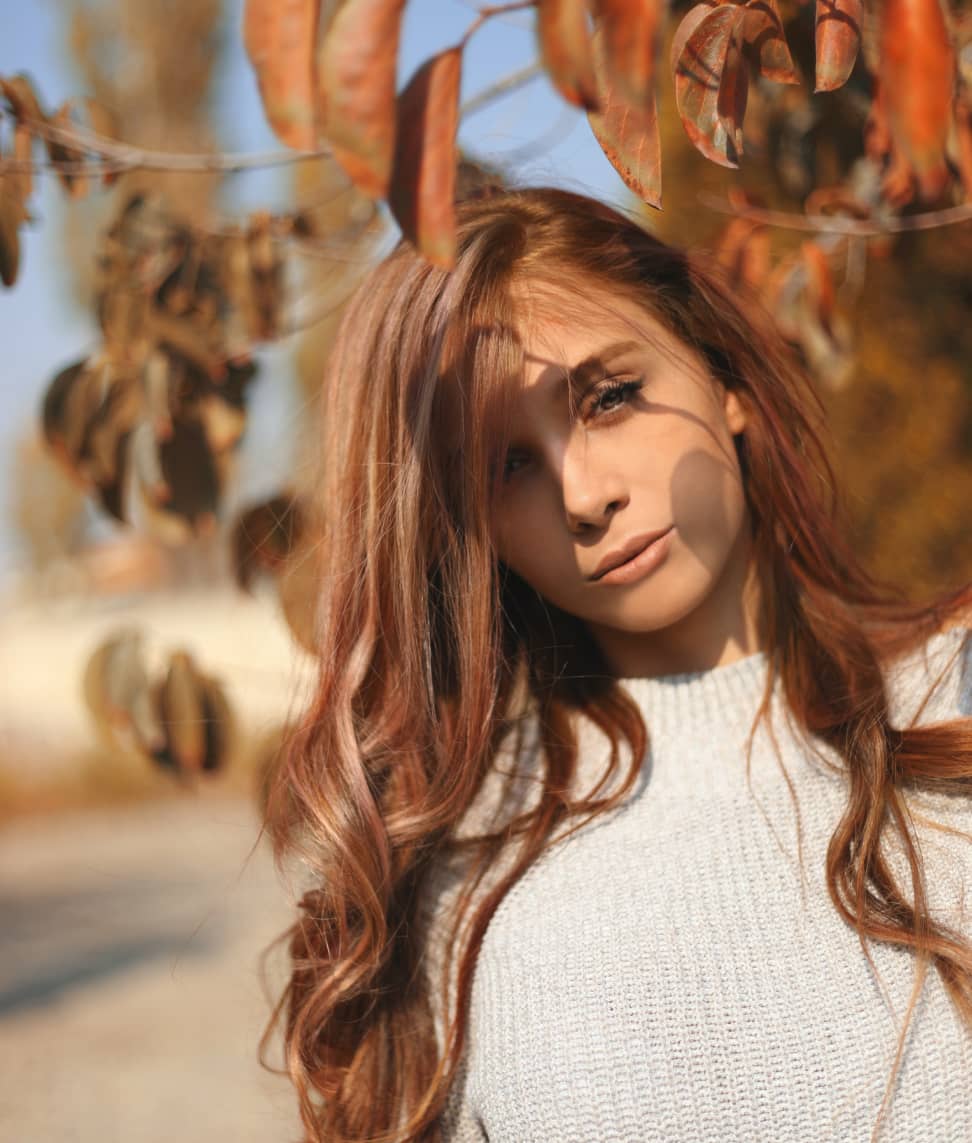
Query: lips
(628,551)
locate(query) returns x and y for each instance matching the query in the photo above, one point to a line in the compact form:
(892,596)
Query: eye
(516,460)
(609,395)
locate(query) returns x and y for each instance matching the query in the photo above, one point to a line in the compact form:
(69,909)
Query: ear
(735,414)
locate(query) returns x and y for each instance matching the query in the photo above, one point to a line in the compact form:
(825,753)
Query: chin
(648,610)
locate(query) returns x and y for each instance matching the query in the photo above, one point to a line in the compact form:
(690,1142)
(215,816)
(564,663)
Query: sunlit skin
(634,438)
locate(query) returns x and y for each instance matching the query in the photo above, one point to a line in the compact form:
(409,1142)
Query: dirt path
(130,1003)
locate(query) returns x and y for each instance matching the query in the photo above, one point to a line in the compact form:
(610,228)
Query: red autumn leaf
(765,42)
(917,79)
(423,184)
(699,52)
(627,133)
(838,40)
(712,52)
(280,39)
(356,72)
(630,43)
(565,46)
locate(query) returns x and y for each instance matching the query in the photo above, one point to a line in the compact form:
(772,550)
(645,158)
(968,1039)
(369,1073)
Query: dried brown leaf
(218,723)
(565,47)
(280,37)
(699,53)
(263,537)
(423,186)
(23,147)
(191,473)
(765,41)
(356,75)
(22,97)
(630,31)
(838,40)
(183,713)
(11,214)
(712,52)
(628,134)
(76,185)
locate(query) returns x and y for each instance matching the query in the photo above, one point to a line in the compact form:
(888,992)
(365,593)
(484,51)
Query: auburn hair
(427,647)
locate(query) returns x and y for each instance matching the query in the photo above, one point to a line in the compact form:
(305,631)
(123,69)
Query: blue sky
(41,327)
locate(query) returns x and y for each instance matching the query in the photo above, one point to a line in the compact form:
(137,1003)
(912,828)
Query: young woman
(633,809)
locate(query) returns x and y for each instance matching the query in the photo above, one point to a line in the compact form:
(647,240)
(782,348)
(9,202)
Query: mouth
(634,558)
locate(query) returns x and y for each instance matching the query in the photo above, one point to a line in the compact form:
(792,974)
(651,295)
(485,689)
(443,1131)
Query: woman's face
(622,498)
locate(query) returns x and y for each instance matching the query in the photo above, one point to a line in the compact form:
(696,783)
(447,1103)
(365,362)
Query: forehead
(562,330)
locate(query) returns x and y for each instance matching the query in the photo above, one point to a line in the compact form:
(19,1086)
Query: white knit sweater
(668,974)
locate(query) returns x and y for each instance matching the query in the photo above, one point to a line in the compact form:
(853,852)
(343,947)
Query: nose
(593,489)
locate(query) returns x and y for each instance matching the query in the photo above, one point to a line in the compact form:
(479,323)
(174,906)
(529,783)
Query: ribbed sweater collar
(720,696)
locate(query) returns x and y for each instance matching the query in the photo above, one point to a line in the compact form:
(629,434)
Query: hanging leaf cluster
(177,717)
(22,106)
(150,422)
(799,289)
(337,82)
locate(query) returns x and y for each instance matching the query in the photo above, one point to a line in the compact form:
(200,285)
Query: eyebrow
(596,363)
(592,367)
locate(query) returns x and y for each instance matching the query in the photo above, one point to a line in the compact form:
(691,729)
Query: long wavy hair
(428,648)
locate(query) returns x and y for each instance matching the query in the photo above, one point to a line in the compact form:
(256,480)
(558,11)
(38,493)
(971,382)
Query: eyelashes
(609,395)
(601,403)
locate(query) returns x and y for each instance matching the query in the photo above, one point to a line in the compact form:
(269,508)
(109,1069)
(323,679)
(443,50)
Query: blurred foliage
(902,420)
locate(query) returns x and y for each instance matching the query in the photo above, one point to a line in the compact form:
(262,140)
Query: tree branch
(117,158)
(854,227)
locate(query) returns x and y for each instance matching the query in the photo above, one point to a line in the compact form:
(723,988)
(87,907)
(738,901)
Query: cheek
(707,502)
(529,543)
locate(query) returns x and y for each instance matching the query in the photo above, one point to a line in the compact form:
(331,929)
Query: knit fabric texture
(676,969)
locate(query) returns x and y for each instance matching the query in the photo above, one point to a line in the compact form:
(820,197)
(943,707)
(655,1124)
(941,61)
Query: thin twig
(825,223)
(490,10)
(117,158)
(126,157)
(503,86)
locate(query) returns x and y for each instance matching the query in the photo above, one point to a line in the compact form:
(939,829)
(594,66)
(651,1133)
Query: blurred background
(153,588)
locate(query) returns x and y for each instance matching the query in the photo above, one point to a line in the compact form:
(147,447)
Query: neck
(724,628)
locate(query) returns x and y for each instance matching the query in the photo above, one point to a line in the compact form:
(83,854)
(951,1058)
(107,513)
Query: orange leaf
(630,29)
(699,54)
(280,39)
(712,52)
(917,79)
(565,46)
(423,184)
(765,41)
(20,94)
(838,40)
(75,184)
(628,134)
(356,70)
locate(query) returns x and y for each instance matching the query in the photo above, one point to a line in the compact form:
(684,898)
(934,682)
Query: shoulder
(933,681)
